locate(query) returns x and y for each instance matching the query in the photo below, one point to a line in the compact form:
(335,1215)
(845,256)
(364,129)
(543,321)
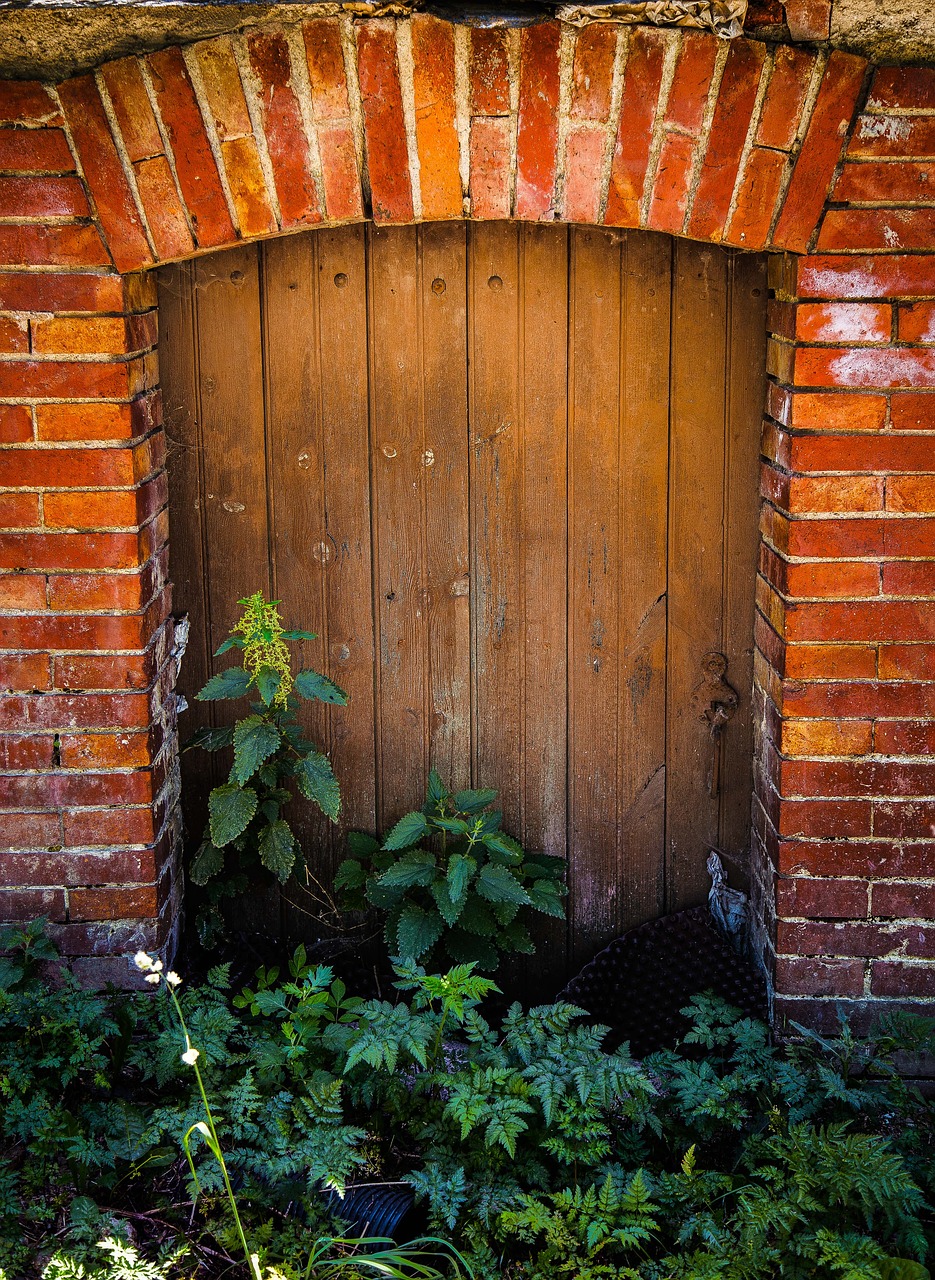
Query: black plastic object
(385,1209)
(638,984)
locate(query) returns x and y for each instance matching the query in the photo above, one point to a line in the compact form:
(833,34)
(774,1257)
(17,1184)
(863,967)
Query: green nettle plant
(452,881)
(246,830)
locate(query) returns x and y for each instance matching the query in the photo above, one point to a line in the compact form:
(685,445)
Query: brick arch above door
(233,139)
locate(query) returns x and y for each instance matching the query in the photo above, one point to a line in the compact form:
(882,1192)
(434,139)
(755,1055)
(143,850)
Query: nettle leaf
(207,862)
(510,851)
(461,868)
(436,792)
(477,918)
(317,782)
(232,642)
(255,740)
(230,808)
(454,826)
(232,683)
(277,849)
(211,739)
(318,688)
(545,866)
(474,801)
(299,635)
(267,683)
(467,948)
(545,896)
(417,931)
(360,845)
(498,884)
(448,907)
(350,875)
(416,867)
(409,830)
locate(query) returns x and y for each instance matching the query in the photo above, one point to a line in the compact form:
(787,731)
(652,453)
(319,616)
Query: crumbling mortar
(462,56)
(566,57)
(349,47)
(766,72)
(704,134)
(673,46)
(613,120)
(302,84)
(406,68)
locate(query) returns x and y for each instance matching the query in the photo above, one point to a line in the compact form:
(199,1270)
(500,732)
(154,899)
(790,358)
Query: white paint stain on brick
(892,128)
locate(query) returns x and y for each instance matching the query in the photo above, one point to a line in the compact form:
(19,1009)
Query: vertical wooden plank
(178,367)
(315,287)
(543,551)
(443,304)
(746,379)
(398,536)
(696,549)
(494,398)
(342,308)
(594,604)
(231,398)
(643,481)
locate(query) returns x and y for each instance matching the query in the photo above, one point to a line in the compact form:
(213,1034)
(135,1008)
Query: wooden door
(509,475)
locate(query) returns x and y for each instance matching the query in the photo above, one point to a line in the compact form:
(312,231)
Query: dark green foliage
(451,881)
(537,1151)
(247,838)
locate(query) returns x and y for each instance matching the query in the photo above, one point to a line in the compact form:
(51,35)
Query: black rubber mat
(638,984)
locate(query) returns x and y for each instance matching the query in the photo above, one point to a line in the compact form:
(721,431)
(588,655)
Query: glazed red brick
(31,245)
(19,510)
(898,182)
(43,198)
(757,198)
(593,72)
(785,97)
(27,100)
(641,84)
(729,128)
(104,174)
(62,293)
(694,70)
(336,145)
(15,424)
(584,156)
(821,150)
(883,229)
(194,164)
(25,673)
(669,202)
(436,128)
(35,151)
(136,121)
(285,135)
(165,215)
(490,168)
(537,124)
(381,96)
(490,72)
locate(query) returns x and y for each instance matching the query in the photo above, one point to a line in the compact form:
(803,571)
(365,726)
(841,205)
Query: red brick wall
(155,158)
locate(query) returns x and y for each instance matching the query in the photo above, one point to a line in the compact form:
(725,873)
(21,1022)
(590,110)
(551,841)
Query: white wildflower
(157,966)
(173,979)
(142,961)
(153,978)
(190,1056)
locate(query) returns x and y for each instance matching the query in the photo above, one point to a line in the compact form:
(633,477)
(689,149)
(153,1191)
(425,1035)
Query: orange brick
(14,335)
(223,88)
(80,336)
(592,72)
(22,591)
(110,510)
(831,662)
(436,129)
(857,322)
(163,208)
(785,97)
(19,510)
(135,119)
(641,84)
(248,186)
(911,493)
(826,737)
